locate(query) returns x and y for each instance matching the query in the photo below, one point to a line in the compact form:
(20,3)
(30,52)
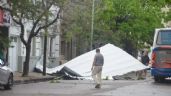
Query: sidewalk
(33,77)
(38,77)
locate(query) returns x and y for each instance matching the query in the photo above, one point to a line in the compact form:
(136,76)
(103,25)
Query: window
(164,37)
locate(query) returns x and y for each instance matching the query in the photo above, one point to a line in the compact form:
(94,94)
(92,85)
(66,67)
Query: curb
(16,82)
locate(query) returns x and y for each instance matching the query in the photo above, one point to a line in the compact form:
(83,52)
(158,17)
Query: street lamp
(92,25)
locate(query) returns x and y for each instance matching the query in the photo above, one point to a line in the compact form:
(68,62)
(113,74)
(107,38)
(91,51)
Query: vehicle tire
(156,79)
(10,83)
(162,79)
(159,79)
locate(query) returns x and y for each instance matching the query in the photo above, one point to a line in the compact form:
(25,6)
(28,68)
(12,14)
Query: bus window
(164,37)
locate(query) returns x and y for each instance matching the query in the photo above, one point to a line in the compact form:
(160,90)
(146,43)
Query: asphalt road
(86,88)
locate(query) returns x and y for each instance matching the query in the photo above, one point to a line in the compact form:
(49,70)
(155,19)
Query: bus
(161,54)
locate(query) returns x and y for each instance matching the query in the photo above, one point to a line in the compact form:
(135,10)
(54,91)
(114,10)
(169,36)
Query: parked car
(6,75)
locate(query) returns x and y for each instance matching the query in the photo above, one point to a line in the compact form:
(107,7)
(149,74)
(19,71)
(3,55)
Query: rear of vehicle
(161,55)
(161,67)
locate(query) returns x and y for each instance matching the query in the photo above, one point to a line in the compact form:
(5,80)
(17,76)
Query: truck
(161,54)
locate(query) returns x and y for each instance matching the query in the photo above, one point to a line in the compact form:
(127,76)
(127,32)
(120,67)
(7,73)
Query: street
(128,41)
(86,88)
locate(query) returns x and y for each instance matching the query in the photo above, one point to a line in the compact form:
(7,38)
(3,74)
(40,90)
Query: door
(13,54)
(3,75)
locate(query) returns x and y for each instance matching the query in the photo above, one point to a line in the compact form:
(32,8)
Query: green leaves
(140,17)
(115,21)
(130,21)
(4,41)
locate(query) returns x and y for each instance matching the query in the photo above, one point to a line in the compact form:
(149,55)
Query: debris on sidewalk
(33,77)
(114,65)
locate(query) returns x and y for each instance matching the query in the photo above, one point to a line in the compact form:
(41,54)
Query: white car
(6,75)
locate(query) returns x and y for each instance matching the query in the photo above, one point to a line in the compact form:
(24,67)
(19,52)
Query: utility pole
(92,25)
(45,41)
(44,52)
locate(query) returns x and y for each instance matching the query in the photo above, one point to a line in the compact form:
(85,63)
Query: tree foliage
(132,23)
(77,23)
(4,41)
(127,24)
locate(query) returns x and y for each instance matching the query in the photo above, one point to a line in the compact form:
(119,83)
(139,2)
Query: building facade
(17,51)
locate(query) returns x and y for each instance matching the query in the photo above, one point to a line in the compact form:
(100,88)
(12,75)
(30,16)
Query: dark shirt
(145,60)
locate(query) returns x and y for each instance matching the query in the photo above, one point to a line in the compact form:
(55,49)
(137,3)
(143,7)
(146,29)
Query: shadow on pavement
(2,89)
(165,82)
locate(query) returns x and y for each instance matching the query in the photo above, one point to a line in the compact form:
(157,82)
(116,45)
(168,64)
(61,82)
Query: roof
(116,62)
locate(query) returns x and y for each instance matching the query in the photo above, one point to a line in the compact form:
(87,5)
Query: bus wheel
(158,79)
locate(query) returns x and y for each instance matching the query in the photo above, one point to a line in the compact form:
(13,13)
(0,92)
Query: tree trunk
(27,60)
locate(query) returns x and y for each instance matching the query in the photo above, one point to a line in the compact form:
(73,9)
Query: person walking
(145,60)
(97,68)
(139,73)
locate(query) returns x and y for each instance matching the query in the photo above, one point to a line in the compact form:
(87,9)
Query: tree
(4,41)
(77,20)
(126,23)
(132,23)
(34,13)
(76,25)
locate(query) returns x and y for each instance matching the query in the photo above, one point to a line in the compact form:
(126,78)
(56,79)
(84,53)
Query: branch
(10,11)
(12,15)
(47,25)
(22,35)
(19,22)
(7,9)
(39,18)
(22,30)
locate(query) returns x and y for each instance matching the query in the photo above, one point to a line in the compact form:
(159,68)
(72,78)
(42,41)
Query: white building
(17,50)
